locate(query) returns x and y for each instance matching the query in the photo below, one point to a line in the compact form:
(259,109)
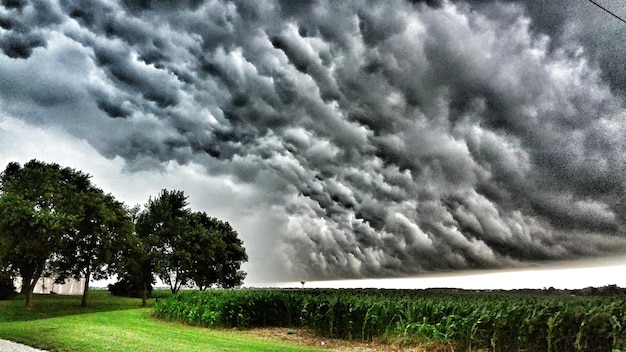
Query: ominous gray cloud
(389,139)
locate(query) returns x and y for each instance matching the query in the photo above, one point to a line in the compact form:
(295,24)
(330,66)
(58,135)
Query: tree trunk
(30,287)
(175,284)
(83,303)
(27,277)
(29,297)
(144,298)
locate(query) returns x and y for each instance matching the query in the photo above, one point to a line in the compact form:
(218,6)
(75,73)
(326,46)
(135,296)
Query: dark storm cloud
(21,45)
(391,139)
(568,22)
(20,21)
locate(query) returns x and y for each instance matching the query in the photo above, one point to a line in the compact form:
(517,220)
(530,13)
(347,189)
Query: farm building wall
(47,285)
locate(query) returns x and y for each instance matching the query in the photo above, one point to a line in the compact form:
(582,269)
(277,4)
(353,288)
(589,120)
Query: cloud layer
(385,140)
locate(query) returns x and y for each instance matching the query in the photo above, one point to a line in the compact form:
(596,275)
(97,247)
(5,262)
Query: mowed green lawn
(58,323)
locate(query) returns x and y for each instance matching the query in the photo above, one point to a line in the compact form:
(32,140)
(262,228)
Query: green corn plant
(500,322)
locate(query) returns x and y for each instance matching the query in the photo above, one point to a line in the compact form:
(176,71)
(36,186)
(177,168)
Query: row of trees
(55,222)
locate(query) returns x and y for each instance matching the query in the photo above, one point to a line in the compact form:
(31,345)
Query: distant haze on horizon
(571,275)
(342,140)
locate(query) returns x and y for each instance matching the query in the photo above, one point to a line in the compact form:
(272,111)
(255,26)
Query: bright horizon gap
(493,279)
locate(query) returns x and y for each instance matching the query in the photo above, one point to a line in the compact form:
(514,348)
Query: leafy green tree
(204,250)
(230,258)
(36,203)
(94,245)
(217,253)
(164,230)
(137,266)
(189,248)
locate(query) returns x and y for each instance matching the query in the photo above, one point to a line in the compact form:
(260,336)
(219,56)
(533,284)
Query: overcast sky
(341,139)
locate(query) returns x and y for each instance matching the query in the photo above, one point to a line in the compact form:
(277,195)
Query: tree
(136,267)
(189,248)
(202,247)
(127,287)
(100,235)
(231,256)
(164,230)
(35,212)
(217,253)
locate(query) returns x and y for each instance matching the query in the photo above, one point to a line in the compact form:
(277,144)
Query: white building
(47,285)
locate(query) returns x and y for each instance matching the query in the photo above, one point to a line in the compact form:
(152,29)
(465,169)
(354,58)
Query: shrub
(127,288)
(7,289)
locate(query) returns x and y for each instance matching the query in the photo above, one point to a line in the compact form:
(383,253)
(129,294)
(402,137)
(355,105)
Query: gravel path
(10,346)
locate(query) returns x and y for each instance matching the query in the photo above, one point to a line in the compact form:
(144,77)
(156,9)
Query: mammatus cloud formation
(389,139)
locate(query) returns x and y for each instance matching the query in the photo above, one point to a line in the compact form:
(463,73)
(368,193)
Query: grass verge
(57,323)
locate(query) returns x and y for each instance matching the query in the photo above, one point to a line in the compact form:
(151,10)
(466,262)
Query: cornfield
(464,321)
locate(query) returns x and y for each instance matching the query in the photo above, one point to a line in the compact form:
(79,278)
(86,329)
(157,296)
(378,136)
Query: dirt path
(305,338)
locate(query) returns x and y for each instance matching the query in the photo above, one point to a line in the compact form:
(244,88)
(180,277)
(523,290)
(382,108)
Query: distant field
(486,321)
(57,323)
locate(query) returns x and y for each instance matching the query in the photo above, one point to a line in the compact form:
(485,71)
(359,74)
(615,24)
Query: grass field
(58,323)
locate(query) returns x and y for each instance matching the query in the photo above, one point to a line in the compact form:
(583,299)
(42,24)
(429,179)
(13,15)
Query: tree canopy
(193,248)
(217,253)
(95,244)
